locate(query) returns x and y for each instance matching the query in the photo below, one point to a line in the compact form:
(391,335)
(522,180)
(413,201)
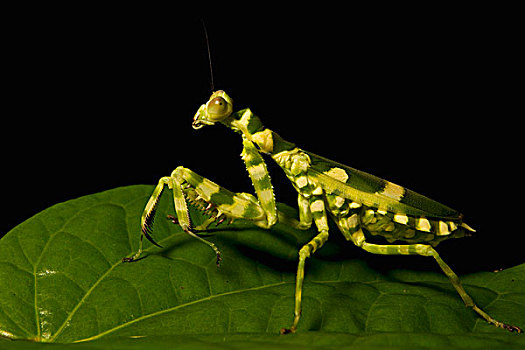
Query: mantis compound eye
(218,109)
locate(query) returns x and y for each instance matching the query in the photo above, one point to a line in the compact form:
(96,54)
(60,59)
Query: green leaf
(62,280)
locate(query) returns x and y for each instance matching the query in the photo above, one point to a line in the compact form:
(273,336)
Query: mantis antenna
(209,54)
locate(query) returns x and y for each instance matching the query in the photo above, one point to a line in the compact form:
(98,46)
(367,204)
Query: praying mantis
(361,205)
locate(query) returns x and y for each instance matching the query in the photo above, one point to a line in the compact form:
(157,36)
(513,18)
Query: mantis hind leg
(427,250)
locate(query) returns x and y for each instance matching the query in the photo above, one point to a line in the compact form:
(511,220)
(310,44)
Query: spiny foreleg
(207,208)
(148,216)
(190,188)
(261,181)
(175,183)
(224,205)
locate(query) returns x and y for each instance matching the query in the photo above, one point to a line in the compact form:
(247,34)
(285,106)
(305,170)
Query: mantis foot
(287,330)
(511,328)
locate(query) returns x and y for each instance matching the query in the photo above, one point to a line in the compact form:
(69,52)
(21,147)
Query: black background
(100,97)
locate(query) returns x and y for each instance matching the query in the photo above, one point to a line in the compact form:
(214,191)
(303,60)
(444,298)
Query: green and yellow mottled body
(363,206)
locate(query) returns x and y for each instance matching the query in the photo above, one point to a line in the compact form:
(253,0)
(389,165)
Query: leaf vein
(86,295)
(23,253)
(89,291)
(180,306)
(14,322)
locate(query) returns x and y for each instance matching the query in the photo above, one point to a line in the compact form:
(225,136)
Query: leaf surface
(62,280)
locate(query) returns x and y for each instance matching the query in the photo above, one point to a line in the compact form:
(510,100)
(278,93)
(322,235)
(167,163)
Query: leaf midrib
(180,306)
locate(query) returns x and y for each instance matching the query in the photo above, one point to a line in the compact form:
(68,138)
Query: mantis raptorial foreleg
(260,179)
(188,186)
(174,183)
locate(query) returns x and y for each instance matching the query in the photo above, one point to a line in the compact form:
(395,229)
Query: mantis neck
(251,127)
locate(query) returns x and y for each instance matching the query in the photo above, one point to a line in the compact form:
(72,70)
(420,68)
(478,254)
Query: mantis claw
(287,330)
(511,328)
(220,221)
(146,234)
(172,218)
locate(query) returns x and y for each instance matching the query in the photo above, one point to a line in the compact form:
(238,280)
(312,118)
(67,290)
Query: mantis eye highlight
(218,109)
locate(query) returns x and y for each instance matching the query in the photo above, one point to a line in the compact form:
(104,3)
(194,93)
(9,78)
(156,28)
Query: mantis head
(218,108)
